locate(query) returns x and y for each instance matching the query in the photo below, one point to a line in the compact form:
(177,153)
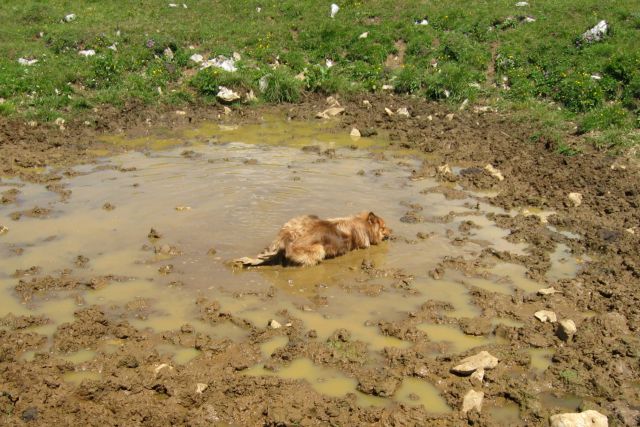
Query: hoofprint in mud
(104,356)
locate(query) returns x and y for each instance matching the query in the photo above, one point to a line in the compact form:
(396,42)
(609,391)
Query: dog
(306,240)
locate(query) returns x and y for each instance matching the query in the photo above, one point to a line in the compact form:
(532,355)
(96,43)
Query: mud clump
(36,212)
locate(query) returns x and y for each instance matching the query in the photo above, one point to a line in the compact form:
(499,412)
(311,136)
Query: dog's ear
(372,218)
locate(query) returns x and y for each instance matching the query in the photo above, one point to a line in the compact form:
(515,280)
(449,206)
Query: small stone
(183,208)
(588,418)
(274,324)
(387,87)
(366,103)
(463,105)
(355,133)
(546,316)
(483,360)
(444,169)
(449,116)
(575,198)
(332,101)
(472,400)
(162,366)
(364,35)
(421,371)
(3,230)
(226,110)
(477,377)
(403,112)
(200,387)
(250,96)
(330,112)
(226,94)
(494,172)
(566,329)
(548,291)
(197,58)
(30,414)
(388,111)
(153,234)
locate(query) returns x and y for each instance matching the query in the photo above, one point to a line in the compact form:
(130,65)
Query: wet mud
(119,307)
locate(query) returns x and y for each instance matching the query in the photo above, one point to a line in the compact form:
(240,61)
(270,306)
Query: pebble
(274,324)
(547,291)
(483,360)
(588,418)
(355,133)
(477,377)
(3,230)
(403,112)
(449,116)
(200,387)
(472,400)
(388,111)
(161,367)
(494,172)
(330,112)
(575,198)
(546,316)
(566,329)
(183,208)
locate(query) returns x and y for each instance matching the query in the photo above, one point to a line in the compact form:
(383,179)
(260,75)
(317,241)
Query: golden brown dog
(307,240)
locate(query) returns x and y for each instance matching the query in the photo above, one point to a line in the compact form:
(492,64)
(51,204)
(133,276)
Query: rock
(222,62)
(387,87)
(27,62)
(88,52)
(364,35)
(545,316)
(355,133)
(588,418)
(200,387)
(153,234)
(421,371)
(463,105)
(403,112)
(183,208)
(575,198)
(449,116)
(477,377)
(166,269)
(330,112)
(274,324)
(483,360)
(128,362)
(197,58)
(596,33)
(494,172)
(388,111)
(30,414)
(444,169)
(70,17)
(334,10)
(3,230)
(366,103)
(566,329)
(522,4)
(472,400)
(162,366)
(332,101)
(547,291)
(250,96)
(329,63)
(226,94)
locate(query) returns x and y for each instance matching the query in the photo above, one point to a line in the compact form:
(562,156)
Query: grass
(479,51)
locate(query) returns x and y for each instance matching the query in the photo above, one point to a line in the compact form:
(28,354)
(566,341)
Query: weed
(281,86)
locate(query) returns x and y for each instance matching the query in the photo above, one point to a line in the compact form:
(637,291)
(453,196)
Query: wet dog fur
(307,240)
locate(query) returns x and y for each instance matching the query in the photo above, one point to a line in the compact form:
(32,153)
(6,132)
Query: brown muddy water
(217,193)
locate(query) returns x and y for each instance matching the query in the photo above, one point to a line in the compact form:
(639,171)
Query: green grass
(448,60)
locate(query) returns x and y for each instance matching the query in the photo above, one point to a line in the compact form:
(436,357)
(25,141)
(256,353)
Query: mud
(96,328)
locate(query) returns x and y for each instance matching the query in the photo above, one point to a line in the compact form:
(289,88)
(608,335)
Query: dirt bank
(127,381)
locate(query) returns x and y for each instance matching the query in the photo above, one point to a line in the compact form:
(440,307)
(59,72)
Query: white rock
(329,63)
(3,230)
(449,116)
(330,112)
(575,198)
(113,47)
(472,400)
(494,172)
(483,360)
(59,121)
(258,9)
(423,21)
(477,377)
(332,101)
(70,17)
(184,6)
(161,367)
(180,113)
(168,53)
(263,83)
(274,324)
(463,105)
(227,94)
(566,329)
(522,4)
(27,62)
(334,10)
(197,58)
(596,33)
(236,56)
(200,387)
(529,19)
(588,418)
(547,291)
(366,103)
(250,96)
(355,133)
(364,35)
(226,110)
(173,5)
(88,52)
(546,316)
(403,112)
(387,87)
(446,92)
(222,62)
(388,111)
(444,169)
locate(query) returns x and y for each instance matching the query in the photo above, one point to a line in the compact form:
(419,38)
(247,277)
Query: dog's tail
(272,255)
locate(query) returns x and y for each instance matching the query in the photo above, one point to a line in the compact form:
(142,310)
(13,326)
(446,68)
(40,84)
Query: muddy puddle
(217,193)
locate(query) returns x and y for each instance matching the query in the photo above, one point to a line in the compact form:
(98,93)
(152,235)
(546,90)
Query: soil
(139,386)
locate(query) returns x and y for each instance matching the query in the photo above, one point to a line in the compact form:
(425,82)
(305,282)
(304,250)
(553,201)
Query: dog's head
(378,228)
